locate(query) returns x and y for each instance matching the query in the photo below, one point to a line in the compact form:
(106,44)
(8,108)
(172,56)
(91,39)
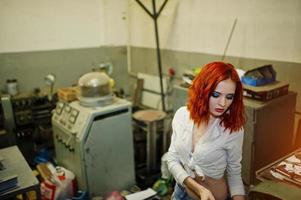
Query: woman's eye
(230,96)
(215,94)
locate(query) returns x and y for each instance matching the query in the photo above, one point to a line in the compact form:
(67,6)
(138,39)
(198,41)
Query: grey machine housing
(96,144)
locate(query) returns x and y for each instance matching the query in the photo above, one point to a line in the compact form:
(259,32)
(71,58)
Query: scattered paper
(144,194)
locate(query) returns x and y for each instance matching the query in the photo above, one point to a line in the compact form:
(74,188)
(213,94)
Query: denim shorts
(180,193)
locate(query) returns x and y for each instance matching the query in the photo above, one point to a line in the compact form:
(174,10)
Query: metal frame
(155,15)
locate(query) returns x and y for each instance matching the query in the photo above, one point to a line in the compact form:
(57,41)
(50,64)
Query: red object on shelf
(171,72)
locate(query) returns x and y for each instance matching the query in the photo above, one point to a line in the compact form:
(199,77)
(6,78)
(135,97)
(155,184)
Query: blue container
(256,82)
(259,76)
(81,195)
(42,156)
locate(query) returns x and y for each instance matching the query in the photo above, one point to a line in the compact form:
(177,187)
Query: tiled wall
(144,59)
(30,68)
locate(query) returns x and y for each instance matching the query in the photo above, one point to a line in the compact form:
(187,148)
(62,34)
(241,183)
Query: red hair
(202,87)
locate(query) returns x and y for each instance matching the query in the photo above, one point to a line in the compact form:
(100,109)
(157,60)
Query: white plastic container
(12,87)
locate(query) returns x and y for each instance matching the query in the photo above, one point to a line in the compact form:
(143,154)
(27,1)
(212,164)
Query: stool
(151,118)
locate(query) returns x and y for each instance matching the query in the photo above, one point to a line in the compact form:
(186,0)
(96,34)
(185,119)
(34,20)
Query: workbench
(284,189)
(15,164)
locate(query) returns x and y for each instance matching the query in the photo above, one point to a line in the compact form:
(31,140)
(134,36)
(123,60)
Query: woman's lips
(219,110)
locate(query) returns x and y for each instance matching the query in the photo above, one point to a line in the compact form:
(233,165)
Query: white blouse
(216,151)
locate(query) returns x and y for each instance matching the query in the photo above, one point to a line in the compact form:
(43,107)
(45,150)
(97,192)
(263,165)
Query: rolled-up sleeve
(234,156)
(173,160)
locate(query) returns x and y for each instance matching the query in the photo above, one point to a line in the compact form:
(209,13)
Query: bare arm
(191,194)
(238,197)
(195,190)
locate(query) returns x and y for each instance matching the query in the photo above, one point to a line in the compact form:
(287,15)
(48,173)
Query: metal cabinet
(269,133)
(269,130)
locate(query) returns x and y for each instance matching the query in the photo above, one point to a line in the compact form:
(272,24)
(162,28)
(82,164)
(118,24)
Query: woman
(207,137)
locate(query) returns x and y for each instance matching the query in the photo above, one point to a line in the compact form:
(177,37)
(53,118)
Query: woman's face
(222,97)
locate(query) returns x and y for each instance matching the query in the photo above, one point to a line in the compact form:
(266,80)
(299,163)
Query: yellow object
(67,94)
(196,70)
(112,83)
(19,197)
(31,195)
(35,172)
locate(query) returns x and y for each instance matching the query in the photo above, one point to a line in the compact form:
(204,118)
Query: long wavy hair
(202,87)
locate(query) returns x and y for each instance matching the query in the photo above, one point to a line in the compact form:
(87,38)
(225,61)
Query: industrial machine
(7,122)
(95,142)
(32,114)
(25,120)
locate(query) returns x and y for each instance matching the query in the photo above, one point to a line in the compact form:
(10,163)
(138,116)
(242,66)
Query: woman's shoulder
(182,112)
(238,133)
(235,135)
(181,119)
(181,116)
(227,131)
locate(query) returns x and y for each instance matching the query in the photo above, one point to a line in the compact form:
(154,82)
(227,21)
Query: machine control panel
(59,107)
(67,109)
(73,116)
(66,115)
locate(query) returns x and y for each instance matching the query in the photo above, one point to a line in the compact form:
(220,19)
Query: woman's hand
(191,194)
(238,197)
(201,194)
(205,194)
(197,191)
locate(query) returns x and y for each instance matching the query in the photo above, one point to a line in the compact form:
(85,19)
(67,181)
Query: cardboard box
(266,92)
(67,94)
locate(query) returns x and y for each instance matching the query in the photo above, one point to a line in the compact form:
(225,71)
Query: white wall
(34,25)
(268,29)
(265,29)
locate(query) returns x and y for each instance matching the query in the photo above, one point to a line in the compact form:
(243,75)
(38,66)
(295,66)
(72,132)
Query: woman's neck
(211,119)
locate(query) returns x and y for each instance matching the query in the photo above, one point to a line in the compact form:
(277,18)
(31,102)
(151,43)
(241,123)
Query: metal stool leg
(151,146)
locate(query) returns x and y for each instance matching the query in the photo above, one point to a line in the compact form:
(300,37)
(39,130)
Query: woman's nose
(222,101)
